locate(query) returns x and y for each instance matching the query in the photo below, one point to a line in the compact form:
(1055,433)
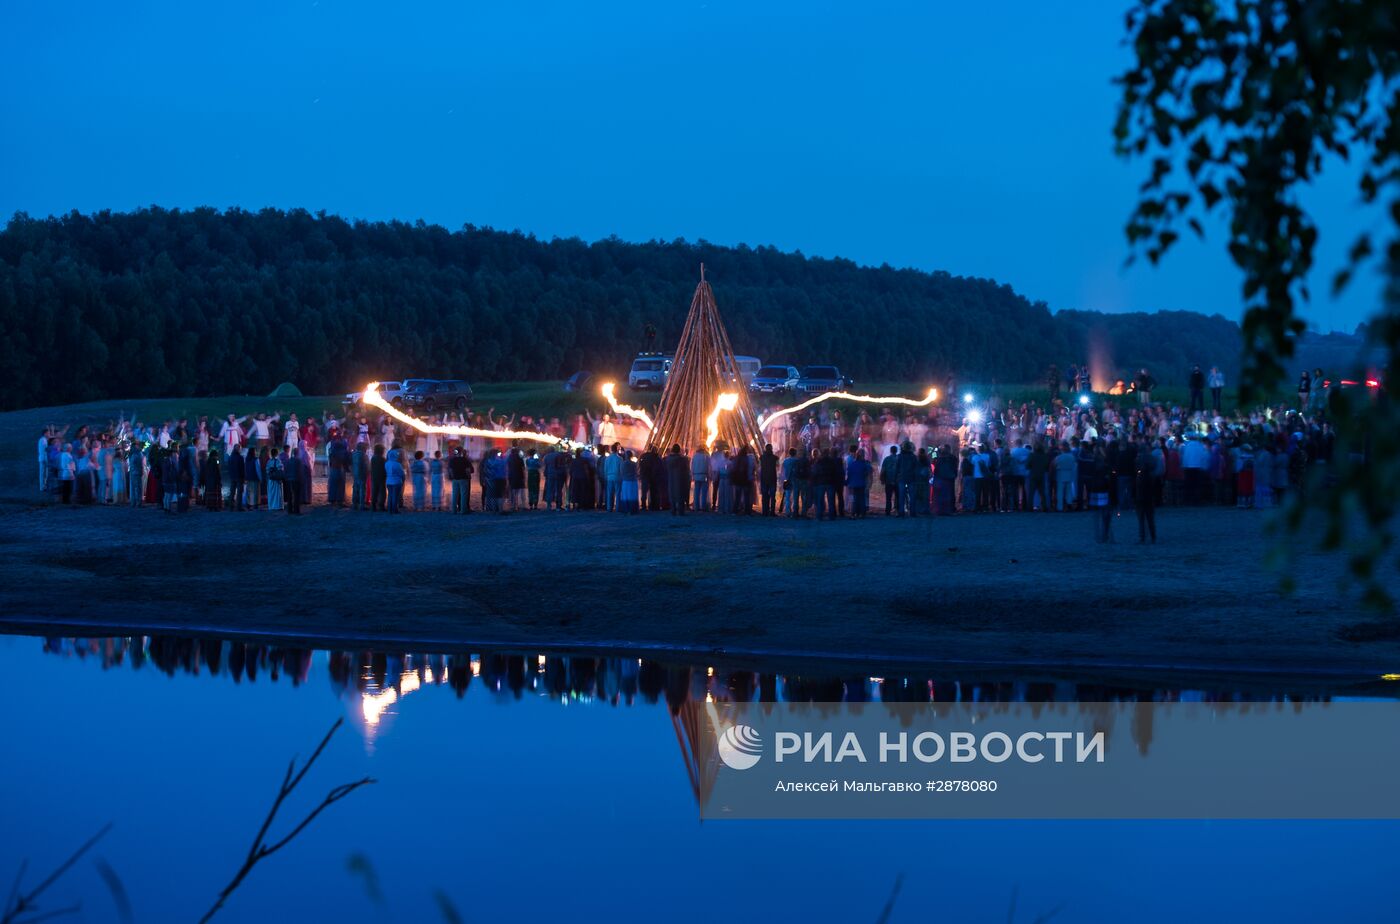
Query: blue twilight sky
(968,137)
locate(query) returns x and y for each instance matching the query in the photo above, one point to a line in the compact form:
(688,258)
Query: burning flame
(847,396)
(626,410)
(372,398)
(727,402)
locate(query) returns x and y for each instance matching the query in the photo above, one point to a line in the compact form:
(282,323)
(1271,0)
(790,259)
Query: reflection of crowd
(1070,452)
(611,680)
(378,679)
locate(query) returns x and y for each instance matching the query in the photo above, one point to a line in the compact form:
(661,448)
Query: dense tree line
(170,302)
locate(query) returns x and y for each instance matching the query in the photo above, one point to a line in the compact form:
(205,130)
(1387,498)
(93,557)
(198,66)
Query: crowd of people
(964,455)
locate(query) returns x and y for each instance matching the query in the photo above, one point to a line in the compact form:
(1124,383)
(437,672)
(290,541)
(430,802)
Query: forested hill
(169,302)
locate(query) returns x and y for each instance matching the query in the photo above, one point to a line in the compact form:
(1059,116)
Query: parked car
(393,392)
(579,381)
(649,370)
(774,380)
(817,379)
(430,397)
(748,367)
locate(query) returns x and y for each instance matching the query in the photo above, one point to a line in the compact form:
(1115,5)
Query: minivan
(649,370)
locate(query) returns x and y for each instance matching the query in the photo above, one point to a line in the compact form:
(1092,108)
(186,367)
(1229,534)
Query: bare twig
(260,848)
(27,903)
(889,902)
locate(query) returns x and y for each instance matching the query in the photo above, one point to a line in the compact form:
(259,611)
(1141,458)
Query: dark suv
(774,380)
(818,379)
(430,397)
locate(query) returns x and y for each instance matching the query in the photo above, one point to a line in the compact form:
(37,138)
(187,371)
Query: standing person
(858,479)
(803,474)
(265,456)
(1099,490)
(1037,478)
(647,467)
(276,473)
(337,465)
(945,478)
(1317,397)
(907,473)
(498,479)
(231,433)
(235,479)
(1065,466)
(418,470)
(293,474)
(212,476)
(483,478)
(435,473)
(515,476)
(305,462)
(1305,384)
(67,473)
(628,495)
(291,433)
(982,481)
(394,475)
(611,471)
(533,467)
(700,479)
(1216,382)
(379,479)
(1143,384)
(188,469)
(581,474)
(789,474)
(679,475)
(459,469)
(551,477)
(135,469)
(170,480)
(717,462)
(768,480)
(254,474)
(1147,487)
(359,476)
(1195,464)
(1019,474)
(720,464)
(1197,383)
(44,439)
(741,481)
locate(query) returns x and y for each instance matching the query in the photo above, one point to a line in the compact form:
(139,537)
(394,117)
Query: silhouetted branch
(18,904)
(260,848)
(889,902)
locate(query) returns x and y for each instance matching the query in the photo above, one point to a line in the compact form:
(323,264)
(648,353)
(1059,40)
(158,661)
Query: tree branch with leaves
(1239,106)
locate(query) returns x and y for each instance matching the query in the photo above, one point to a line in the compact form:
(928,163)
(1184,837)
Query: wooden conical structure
(703,369)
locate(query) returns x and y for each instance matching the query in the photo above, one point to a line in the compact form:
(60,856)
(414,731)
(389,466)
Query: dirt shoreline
(1012,592)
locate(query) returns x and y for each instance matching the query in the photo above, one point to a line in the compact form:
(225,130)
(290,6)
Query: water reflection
(375,683)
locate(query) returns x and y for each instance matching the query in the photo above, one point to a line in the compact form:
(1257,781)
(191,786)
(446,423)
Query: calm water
(520,786)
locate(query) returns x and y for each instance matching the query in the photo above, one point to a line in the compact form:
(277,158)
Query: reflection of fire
(626,410)
(727,402)
(847,396)
(374,705)
(373,399)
